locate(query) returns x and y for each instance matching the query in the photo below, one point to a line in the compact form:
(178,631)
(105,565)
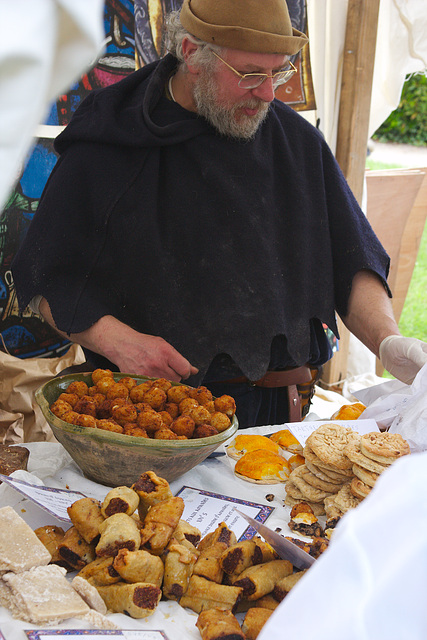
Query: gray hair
(174,35)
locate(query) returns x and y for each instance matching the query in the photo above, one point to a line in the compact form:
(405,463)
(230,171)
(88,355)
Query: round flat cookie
(368,477)
(327,476)
(308,491)
(345,499)
(310,456)
(293,491)
(328,443)
(359,489)
(384,447)
(317,507)
(317,482)
(353,453)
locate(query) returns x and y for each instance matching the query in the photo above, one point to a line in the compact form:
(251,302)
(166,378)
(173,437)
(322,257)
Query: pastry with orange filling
(286,440)
(262,467)
(245,443)
(349,411)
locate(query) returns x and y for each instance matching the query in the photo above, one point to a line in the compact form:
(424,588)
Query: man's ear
(188,48)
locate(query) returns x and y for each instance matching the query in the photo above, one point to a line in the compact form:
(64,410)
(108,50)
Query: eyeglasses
(254,80)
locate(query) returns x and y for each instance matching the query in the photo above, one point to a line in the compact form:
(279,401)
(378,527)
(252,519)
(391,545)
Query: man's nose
(265,91)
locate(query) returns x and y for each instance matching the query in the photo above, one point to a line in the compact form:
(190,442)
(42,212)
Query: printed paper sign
(94,634)
(206,510)
(54,501)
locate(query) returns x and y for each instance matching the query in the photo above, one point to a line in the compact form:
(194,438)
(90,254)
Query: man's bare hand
(131,351)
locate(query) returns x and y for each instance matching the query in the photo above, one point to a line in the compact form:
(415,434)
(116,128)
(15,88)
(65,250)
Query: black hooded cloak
(219,246)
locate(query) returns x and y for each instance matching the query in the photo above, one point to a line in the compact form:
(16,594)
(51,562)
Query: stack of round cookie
(326,470)
(370,456)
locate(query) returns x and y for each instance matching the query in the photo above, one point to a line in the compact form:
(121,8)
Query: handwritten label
(206,510)
(54,501)
(301,430)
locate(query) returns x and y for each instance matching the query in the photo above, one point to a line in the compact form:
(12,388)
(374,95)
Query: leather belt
(271,379)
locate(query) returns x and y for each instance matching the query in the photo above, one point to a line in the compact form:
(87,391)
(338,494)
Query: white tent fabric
(45,46)
(401,49)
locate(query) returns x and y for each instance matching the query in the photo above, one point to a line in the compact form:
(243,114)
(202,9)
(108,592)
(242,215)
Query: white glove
(403,357)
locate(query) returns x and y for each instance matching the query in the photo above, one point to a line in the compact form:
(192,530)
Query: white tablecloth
(51,464)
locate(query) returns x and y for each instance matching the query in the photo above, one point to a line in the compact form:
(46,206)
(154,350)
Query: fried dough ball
(104,384)
(109,425)
(156,398)
(220,421)
(183,426)
(130,429)
(101,373)
(59,407)
(71,398)
(129,382)
(165,434)
(200,415)
(186,405)
(210,406)
(92,391)
(177,393)
(136,394)
(172,408)
(105,410)
(204,431)
(151,421)
(117,390)
(142,406)
(98,399)
(166,417)
(225,404)
(118,402)
(162,383)
(124,413)
(201,394)
(78,387)
(86,405)
(85,420)
(70,416)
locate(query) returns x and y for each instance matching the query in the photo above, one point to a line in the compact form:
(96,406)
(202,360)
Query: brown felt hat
(261,26)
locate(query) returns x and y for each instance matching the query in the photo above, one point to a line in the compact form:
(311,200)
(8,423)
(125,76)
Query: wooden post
(353,126)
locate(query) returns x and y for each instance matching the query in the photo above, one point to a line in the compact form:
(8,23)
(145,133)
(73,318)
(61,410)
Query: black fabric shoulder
(68,233)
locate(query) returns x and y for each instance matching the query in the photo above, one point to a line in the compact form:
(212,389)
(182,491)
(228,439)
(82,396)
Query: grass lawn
(413,321)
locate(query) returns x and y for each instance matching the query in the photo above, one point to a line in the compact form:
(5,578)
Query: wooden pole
(353,127)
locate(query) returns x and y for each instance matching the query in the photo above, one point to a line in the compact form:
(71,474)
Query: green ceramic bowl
(114,459)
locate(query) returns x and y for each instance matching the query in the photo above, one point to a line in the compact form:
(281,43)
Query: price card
(54,501)
(301,430)
(95,634)
(206,510)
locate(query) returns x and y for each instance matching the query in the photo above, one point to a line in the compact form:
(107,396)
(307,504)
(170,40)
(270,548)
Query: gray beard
(223,118)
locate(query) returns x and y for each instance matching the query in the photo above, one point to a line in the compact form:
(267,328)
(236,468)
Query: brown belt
(284,378)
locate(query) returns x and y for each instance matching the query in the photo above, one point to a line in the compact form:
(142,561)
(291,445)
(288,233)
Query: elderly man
(196,228)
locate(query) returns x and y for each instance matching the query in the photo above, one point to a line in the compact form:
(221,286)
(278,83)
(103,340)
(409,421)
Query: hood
(133,113)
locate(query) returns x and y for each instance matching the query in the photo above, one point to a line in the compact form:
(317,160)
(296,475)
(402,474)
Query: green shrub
(408,123)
